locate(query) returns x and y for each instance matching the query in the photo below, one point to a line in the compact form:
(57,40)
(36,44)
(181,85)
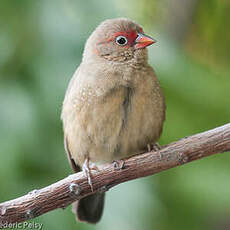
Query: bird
(114,106)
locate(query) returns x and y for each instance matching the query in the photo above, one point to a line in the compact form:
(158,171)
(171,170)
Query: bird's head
(118,40)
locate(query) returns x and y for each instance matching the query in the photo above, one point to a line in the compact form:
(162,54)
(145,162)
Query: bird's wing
(76,168)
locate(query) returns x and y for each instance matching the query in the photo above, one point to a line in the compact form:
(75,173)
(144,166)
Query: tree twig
(66,191)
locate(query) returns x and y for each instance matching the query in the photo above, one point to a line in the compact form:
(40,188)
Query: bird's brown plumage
(113,106)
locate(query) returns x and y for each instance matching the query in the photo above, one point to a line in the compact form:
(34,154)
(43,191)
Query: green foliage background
(41,44)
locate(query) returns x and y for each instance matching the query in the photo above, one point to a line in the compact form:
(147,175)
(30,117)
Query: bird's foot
(118,165)
(94,167)
(154,147)
(87,171)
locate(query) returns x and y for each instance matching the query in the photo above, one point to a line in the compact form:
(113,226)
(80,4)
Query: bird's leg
(86,170)
(154,147)
(149,147)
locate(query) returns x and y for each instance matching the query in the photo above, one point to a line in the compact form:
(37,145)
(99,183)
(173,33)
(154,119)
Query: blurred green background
(41,44)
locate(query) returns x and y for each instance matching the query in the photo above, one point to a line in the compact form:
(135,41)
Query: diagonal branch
(66,191)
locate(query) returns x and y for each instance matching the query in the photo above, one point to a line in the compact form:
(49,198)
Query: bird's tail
(89,209)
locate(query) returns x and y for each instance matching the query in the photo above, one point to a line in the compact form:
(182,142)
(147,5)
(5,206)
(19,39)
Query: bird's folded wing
(76,168)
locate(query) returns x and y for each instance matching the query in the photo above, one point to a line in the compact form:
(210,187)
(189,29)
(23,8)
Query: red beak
(143,41)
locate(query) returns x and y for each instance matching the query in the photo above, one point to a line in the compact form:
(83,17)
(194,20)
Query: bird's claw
(154,147)
(118,165)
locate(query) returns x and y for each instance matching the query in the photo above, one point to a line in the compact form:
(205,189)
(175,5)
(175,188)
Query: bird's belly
(121,124)
(143,125)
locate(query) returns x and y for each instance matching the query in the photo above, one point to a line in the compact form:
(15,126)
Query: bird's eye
(121,40)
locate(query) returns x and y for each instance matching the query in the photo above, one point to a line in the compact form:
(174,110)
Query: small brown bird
(113,107)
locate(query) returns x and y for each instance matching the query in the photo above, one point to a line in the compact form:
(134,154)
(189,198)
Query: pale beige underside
(95,123)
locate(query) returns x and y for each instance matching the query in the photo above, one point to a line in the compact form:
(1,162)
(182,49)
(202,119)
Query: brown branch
(66,191)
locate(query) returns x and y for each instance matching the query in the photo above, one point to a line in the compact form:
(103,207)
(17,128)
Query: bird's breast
(114,123)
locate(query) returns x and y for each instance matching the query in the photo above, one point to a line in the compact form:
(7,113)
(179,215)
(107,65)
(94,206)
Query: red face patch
(129,35)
